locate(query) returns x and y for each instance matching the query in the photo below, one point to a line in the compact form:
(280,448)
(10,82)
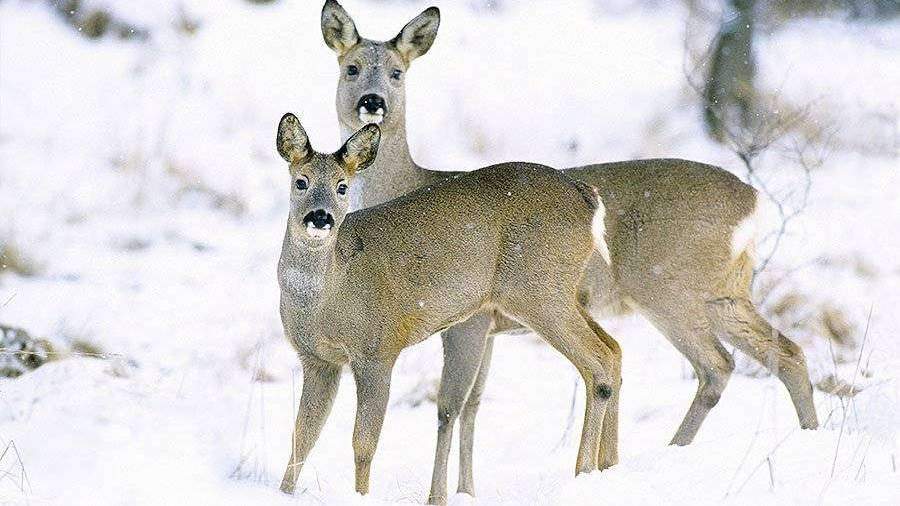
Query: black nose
(371,103)
(319,218)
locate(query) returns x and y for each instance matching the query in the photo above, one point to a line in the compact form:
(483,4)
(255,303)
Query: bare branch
(774,129)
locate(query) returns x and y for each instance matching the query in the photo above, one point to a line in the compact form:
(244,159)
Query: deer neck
(394,173)
(307,280)
(303,272)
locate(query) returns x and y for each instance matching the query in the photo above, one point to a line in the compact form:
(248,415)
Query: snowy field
(141,181)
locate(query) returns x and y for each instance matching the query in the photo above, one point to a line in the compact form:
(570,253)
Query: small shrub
(81,346)
(20,353)
(13,260)
(833,385)
(96,23)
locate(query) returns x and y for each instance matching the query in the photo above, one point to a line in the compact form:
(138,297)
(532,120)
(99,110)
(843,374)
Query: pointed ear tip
(332,7)
(292,123)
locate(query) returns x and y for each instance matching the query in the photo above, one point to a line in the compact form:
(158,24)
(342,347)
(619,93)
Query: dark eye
(352,70)
(396,73)
(302,184)
(342,189)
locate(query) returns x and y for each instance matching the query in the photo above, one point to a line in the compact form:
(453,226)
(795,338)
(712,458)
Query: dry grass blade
(252,460)
(570,419)
(765,460)
(747,451)
(852,384)
(7,301)
(20,479)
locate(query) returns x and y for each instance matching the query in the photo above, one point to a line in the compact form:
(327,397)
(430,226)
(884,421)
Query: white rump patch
(366,117)
(598,230)
(748,231)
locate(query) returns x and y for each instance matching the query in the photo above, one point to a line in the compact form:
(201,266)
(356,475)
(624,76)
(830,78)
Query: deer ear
(291,141)
(338,28)
(361,148)
(416,38)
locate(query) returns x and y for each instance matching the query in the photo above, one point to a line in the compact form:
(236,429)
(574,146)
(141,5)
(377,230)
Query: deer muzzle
(372,109)
(318,223)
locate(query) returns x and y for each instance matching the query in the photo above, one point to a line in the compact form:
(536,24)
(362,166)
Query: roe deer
(680,234)
(358,288)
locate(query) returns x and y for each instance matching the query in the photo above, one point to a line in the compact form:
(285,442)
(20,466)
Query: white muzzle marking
(367,117)
(318,233)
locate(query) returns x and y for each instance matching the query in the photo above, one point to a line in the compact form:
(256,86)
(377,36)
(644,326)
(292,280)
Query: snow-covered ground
(142,181)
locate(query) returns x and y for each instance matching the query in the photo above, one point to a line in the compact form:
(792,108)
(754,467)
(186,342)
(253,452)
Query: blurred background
(142,206)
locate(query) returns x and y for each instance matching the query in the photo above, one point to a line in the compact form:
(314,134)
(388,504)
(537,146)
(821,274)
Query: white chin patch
(317,233)
(367,117)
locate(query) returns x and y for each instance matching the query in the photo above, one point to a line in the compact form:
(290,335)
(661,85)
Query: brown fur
(669,228)
(513,238)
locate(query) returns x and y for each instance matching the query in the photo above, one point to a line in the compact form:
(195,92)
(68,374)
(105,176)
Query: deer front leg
(373,384)
(320,384)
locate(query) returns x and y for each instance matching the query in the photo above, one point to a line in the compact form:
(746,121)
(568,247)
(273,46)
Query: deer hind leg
(567,331)
(739,323)
(608,451)
(464,344)
(713,365)
(688,329)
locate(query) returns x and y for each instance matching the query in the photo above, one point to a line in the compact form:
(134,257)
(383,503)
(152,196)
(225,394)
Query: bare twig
(749,142)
